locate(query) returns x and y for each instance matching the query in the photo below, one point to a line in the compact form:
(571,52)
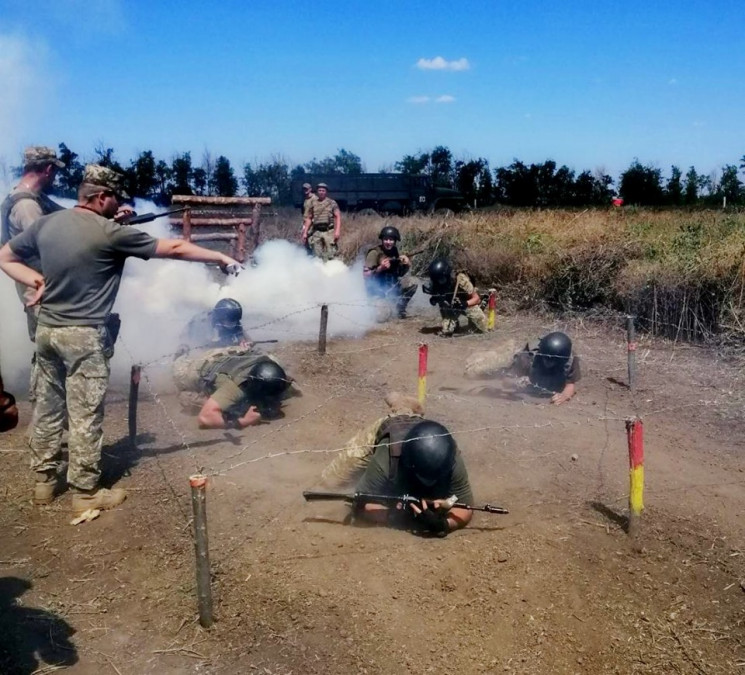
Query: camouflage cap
(40,155)
(102,177)
(322,185)
(307,186)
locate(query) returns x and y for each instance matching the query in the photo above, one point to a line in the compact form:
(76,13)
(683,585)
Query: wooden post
(635,438)
(422,389)
(255,226)
(198,485)
(322,331)
(631,349)
(186,225)
(134,389)
(491,318)
(240,249)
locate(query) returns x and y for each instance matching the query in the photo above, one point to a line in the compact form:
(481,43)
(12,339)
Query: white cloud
(26,90)
(438,63)
(418,99)
(673,81)
(445,98)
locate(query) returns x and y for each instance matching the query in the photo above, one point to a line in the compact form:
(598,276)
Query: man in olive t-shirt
(82,254)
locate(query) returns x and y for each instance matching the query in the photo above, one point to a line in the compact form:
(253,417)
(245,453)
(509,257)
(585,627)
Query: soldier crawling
(231,387)
(219,327)
(551,366)
(456,295)
(386,271)
(404,453)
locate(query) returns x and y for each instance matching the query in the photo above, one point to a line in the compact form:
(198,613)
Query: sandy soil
(557,586)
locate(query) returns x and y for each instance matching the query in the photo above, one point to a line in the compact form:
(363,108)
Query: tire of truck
(367,212)
(394,208)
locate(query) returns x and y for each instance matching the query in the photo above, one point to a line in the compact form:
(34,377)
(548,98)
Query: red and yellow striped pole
(492,315)
(635,437)
(423,352)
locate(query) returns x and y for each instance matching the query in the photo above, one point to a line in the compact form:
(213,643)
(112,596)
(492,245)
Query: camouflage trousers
(475,315)
(73,366)
(351,462)
(322,244)
(32,318)
(349,465)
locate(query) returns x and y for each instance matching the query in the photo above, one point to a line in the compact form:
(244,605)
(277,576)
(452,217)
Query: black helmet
(428,452)
(554,350)
(268,379)
(440,271)
(390,232)
(227,313)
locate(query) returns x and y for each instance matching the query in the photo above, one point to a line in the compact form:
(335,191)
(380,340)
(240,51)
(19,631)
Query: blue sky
(588,84)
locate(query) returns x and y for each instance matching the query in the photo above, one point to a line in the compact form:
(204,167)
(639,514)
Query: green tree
(413,165)
(641,185)
(182,174)
(226,184)
(441,167)
(730,186)
(199,180)
(68,179)
(344,162)
(674,188)
(692,187)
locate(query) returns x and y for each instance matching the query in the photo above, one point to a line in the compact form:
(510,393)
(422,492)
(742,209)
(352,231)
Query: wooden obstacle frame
(240,214)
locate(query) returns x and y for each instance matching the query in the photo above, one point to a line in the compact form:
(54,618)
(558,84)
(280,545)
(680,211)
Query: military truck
(382,192)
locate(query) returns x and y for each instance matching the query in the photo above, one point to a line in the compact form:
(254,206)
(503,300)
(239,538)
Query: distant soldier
(456,295)
(309,198)
(322,225)
(231,388)
(405,454)
(219,327)
(386,271)
(26,203)
(551,366)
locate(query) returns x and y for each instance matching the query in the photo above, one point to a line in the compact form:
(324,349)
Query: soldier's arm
(565,394)
(211,416)
(13,266)
(337,223)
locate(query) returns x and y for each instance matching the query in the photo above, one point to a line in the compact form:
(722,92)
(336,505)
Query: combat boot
(46,487)
(99,498)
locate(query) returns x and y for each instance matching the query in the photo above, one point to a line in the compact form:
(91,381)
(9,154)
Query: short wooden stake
(635,437)
(492,316)
(186,225)
(631,349)
(198,485)
(134,389)
(422,389)
(322,331)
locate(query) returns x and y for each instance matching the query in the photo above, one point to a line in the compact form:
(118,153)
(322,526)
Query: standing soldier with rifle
(386,271)
(405,454)
(322,225)
(456,295)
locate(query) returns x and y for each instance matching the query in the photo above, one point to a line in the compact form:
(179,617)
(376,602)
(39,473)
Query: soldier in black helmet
(231,387)
(219,327)
(456,295)
(406,454)
(551,367)
(386,271)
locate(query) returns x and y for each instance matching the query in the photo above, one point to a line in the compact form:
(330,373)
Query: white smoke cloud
(439,63)
(445,98)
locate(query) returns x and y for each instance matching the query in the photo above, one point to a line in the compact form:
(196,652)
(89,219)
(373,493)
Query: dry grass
(681,272)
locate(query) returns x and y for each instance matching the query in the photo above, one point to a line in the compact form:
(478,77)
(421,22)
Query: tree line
(519,184)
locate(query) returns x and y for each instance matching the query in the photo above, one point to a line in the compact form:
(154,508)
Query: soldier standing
(322,225)
(386,271)
(82,255)
(26,203)
(456,295)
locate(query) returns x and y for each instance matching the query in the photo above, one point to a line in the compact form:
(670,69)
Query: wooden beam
(245,201)
(215,236)
(215,222)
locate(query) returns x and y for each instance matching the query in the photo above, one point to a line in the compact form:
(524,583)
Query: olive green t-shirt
(375,479)
(82,258)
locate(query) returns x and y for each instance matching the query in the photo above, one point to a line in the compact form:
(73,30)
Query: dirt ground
(556,586)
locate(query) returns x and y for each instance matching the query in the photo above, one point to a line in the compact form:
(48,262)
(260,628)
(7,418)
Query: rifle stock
(361,498)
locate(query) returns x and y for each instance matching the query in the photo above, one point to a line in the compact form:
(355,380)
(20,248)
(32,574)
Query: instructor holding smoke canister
(82,253)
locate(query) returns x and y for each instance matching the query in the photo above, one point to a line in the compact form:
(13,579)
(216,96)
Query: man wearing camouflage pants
(322,225)
(82,255)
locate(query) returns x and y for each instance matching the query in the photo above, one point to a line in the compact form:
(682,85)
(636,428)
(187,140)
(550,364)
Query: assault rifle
(361,498)
(149,217)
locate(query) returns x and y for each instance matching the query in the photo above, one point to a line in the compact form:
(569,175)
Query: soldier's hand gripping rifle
(361,498)
(149,217)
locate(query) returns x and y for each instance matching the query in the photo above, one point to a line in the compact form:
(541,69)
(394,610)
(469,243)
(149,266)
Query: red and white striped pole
(423,353)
